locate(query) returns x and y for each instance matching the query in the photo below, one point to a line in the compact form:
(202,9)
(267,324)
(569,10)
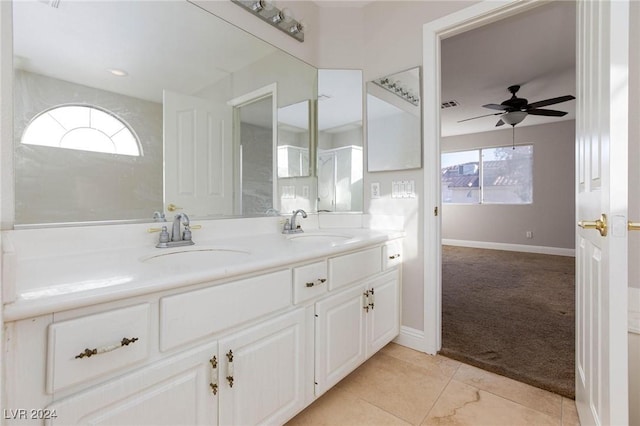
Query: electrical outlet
(529,234)
(305,191)
(375,189)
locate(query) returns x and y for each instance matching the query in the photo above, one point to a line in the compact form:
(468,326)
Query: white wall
(551,215)
(6,188)
(95,186)
(634,210)
(381,38)
(393,43)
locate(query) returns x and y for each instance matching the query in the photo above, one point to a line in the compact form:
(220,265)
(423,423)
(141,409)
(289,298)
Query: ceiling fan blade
(496,106)
(547,112)
(480,116)
(499,123)
(550,101)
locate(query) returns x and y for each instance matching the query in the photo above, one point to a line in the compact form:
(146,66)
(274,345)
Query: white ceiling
(80,40)
(535,49)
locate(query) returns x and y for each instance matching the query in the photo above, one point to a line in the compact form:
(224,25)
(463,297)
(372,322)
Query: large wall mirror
(124,107)
(394,122)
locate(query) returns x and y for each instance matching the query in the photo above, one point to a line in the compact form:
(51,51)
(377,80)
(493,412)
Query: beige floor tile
(569,413)
(529,396)
(396,386)
(436,363)
(461,404)
(338,407)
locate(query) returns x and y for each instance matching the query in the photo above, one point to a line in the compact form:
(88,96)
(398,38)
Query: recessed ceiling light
(118,73)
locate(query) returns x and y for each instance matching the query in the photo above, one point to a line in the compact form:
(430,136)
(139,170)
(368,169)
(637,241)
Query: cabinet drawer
(101,337)
(189,316)
(392,254)
(309,281)
(352,267)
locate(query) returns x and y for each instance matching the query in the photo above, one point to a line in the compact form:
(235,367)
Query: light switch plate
(375,189)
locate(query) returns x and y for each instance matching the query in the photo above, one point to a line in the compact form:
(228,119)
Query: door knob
(172,207)
(599,224)
(633,226)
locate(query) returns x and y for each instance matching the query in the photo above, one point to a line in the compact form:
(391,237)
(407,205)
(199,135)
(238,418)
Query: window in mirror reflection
(84,128)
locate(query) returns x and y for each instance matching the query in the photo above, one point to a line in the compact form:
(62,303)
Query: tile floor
(400,386)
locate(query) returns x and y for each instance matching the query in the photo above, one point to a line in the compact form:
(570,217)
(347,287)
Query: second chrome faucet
(290,226)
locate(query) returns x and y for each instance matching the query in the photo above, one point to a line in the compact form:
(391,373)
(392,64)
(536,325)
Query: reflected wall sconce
(397,89)
(281,19)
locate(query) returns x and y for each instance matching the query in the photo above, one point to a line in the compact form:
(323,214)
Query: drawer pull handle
(214,375)
(394,256)
(97,351)
(230,368)
(317,282)
(372,298)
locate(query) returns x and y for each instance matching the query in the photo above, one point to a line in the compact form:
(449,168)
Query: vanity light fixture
(281,19)
(396,88)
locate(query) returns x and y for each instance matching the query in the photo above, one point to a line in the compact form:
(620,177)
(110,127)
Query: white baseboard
(511,247)
(411,338)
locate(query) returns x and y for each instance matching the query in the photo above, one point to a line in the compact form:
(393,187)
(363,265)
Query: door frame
(236,104)
(475,16)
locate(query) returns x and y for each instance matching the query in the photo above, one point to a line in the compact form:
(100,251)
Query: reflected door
(198,155)
(326,181)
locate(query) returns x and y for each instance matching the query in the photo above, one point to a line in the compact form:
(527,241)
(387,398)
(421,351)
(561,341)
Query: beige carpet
(511,313)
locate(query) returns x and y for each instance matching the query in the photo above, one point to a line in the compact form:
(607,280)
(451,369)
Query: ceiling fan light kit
(515,109)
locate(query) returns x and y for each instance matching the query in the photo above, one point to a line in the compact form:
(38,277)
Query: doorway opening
(507,274)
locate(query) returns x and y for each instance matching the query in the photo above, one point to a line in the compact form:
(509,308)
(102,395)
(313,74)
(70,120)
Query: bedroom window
(82,127)
(502,175)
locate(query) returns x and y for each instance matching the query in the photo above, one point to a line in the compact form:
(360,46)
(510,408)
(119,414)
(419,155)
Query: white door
(383,319)
(198,155)
(602,184)
(261,375)
(340,336)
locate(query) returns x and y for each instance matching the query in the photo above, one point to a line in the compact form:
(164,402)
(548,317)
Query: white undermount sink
(316,238)
(196,255)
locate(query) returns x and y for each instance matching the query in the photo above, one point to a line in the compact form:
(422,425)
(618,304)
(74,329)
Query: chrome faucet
(290,226)
(177,238)
(176,235)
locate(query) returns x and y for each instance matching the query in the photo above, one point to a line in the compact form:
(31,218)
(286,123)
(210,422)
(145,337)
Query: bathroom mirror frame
(394,121)
(14,222)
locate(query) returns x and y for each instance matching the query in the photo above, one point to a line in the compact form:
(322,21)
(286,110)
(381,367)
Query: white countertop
(50,281)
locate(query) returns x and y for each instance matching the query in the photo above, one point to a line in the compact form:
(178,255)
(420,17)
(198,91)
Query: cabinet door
(340,336)
(175,391)
(383,319)
(262,372)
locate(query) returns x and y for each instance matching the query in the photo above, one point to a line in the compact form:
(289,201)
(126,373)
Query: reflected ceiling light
(117,72)
(281,19)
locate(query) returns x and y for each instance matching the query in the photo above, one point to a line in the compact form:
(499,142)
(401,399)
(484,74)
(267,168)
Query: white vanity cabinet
(354,324)
(174,391)
(254,349)
(254,376)
(262,372)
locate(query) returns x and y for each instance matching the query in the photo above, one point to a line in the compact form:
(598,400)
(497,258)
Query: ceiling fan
(516,109)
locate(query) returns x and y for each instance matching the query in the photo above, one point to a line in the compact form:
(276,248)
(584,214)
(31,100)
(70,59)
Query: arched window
(82,127)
